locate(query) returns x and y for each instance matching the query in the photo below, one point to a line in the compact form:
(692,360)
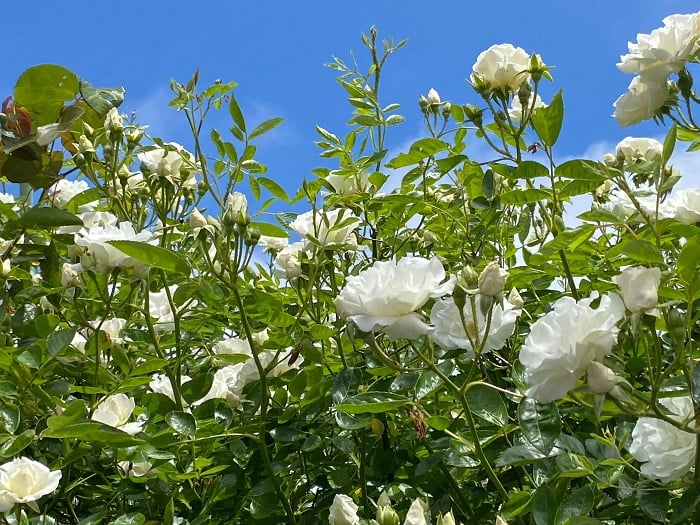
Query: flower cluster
(653,58)
(562,343)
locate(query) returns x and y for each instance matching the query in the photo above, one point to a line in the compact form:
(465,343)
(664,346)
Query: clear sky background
(276,51)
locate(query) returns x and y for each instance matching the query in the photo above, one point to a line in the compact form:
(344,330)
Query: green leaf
(48,218)
(17,444)
(197,388)
(654,502)
(101,99)
(274,188)
(10,415)
(547,121)
(642,251)
(93,431)
(345,384)
(182,423)
(154,256)
(43,89)
(688,260)
(540,423)
(270,230)
(529,169)
(132,518)
(487,404)
(578,169)
(544,506)
(669,144)
(578,503)
(266,126)
(236,114)
(372,403)
(525,196)
(684,507)
(419,150)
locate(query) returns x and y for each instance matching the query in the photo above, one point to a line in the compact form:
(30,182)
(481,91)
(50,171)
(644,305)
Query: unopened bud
(446,519)
(492,279)
(252,236)
(446,110)
(387,516)
(601,379)
(610,160)
(515,299)
(197,220)
(473,114)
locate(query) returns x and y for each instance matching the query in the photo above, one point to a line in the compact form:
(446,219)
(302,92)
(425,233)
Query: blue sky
(276,51)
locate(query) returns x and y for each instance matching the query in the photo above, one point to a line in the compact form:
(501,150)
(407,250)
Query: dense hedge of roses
(446,350)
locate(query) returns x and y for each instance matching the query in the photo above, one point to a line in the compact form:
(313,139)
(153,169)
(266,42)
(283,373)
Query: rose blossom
(386,296)
(272,244)
(664,50)
(343,511)
(449,330)
(348,184)
(639,149)
(684,206)
(501,66)
(516,108)
(562,343)
(639,287)
(416,513)
(115,411)
(331,227)
(61,193)
(642,100)
(103,257)
(288,261)
(24,480)
(174,163)
(666,452)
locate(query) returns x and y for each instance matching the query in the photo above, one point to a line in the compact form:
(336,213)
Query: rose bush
(183,342)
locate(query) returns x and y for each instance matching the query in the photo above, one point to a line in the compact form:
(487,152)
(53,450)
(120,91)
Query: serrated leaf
(236,114)
(525,196)
(578,503)
(419,150)
(48,218)
(487,404)
(642,251)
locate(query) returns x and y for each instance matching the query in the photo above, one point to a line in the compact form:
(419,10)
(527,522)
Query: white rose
(273,244)
(620,204)
(639,287)
(196,219)
(237,205)
(664,51)
(492,279)
(562,343)
(70,275)
(219,386)
(516,108)
(174,163)
(348,184)
(102,257)
(502,66)
(446,519)
(639,149)
(61,193)
(433,97)
(515,299)
(112,327)
(136,469)
(386,296)
(666,452)
(343,511)
(683,206)
(24,480)
(160,384)
(641,101)
(115,411)
(416,513)
(449,330)
(233,345)
(601,379)
(332,227)
(288,261)
(113,120)
(160,308)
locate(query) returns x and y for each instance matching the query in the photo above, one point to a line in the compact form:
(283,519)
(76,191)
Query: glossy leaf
(540,423)
(154,256)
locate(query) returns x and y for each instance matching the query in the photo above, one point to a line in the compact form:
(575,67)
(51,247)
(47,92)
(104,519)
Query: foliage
(166,348)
